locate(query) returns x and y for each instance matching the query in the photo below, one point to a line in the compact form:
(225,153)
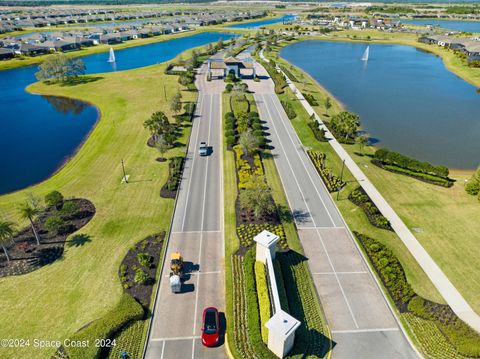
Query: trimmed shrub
(263,298)
(389,269)
(145,259)
(287,106)
(175,167)
(386,156)
(141,277)
(361,199)
(310,99)
(69,208)
(230,140)
(318,132)
(126,311)
(54,199)
(333,183)
(54,224)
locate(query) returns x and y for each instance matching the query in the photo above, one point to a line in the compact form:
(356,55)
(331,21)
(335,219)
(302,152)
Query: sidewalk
(451,295)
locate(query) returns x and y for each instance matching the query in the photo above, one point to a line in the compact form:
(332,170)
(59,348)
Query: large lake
(406,98)
(458,25)
(37,134)
(259,24)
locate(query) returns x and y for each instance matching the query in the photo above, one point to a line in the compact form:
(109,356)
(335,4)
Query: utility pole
(341,176)
(124,174)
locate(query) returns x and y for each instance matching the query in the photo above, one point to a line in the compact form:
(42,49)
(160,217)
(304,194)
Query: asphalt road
(197,233)
(360,318)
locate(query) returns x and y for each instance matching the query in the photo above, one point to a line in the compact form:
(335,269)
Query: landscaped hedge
(290,111)
(175,167)
(361,199)
(263,298)
(389,269)
(462,337)
(277,77)
(126,311)
(417,175)
(318,132)
(388,157)
(310,99)
(289,74)
(282,293)
(332,182)
(253,322)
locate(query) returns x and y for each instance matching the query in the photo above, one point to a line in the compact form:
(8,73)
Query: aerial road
(197,233)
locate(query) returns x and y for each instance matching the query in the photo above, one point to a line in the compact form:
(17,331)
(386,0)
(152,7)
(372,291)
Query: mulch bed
(371,218)
(26,255)
(152,246)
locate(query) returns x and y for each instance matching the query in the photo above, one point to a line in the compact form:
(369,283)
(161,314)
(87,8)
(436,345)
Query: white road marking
(365,330)
(163,349)
(304,165)
(338,281)
(187,232)
(203,225)
(326,273)
(202,97)
(202,273)
(170,339)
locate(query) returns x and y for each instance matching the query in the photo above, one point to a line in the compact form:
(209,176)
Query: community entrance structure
(222,67)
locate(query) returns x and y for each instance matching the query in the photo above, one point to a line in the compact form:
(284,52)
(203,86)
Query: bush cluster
(310,99)
(289,74)
(389,269)
(290,111)
(397,159)
(54,199)
(230,129)
(263,298)
(473,185)
(126,311)
(332,182)
(174,173)
(277,77)
(318,132)
(375,217)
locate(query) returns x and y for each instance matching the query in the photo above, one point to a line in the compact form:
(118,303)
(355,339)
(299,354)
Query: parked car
(210,327)
(203,151)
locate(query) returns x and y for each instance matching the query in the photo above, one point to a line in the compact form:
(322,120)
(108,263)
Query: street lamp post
(124,174)
(341,176)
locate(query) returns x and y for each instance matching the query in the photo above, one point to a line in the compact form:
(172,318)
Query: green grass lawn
(58,299)
(444,220)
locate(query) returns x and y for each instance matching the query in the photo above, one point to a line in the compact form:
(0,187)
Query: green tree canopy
(60,68)
(257,197)
(345,124)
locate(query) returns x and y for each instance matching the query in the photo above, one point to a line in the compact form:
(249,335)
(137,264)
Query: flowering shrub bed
(240,331)
(332,182)
(244,170)
(246,233)
(361,199)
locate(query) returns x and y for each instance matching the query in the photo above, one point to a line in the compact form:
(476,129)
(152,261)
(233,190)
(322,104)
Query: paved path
(197,232)
(361,320)
(448,291)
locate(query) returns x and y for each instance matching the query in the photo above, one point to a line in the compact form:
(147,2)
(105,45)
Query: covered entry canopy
(230,64)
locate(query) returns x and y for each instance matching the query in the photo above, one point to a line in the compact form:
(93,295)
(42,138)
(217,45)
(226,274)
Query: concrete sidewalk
(451,295)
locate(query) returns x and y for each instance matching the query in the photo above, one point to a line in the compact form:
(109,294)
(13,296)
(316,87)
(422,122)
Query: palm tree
(6,233)
(29,210)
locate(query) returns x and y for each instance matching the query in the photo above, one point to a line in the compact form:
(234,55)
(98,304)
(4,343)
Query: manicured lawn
(57,300)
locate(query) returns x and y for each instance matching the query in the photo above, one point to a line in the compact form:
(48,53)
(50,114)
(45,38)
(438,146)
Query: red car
(210,327)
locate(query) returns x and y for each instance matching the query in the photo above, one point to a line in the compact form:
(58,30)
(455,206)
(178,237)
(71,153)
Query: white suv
(203,151)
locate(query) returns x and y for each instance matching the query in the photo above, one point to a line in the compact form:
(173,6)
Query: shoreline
(343,107)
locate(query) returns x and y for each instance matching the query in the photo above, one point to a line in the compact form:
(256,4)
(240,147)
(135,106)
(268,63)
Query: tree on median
(257,197)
